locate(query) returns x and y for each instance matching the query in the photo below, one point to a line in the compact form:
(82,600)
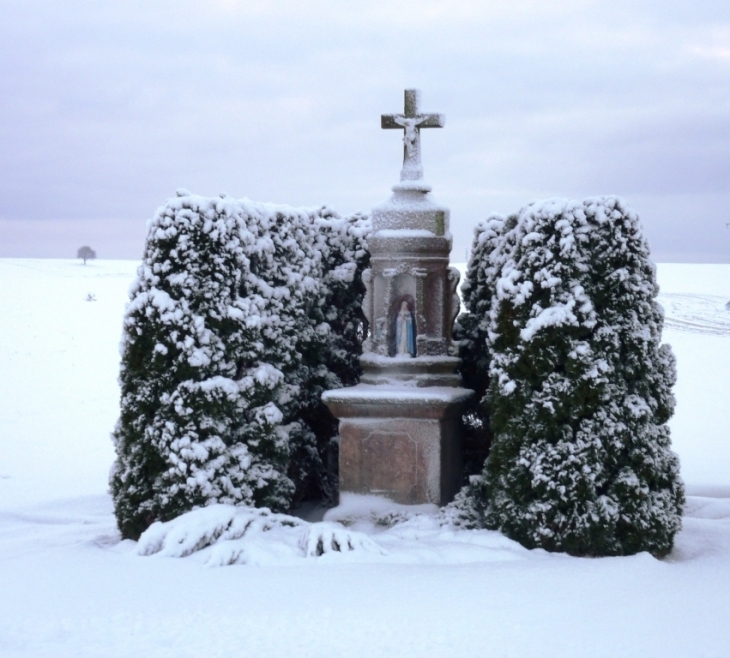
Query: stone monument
(400,428)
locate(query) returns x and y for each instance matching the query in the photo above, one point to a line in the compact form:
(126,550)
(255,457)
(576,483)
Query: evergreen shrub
(229,339)
(564,340)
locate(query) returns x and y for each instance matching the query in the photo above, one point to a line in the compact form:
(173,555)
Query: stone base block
(403,443)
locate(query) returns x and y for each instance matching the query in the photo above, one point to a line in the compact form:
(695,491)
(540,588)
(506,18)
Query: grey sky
(107,107)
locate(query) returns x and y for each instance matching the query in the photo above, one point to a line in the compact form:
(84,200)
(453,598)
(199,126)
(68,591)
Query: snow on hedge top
(551,254)
(256,264)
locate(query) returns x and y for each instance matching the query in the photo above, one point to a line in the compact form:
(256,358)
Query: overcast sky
(106,108)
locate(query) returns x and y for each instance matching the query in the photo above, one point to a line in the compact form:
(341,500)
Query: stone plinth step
(438,371)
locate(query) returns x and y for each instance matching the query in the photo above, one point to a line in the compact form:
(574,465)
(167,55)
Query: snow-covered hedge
(563,317)
(241,315)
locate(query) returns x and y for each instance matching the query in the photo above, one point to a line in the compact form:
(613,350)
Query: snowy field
(69,587)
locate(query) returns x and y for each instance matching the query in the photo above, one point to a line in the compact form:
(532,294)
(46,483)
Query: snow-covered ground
(69,587)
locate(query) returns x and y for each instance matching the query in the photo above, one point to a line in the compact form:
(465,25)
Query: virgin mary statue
(405,336)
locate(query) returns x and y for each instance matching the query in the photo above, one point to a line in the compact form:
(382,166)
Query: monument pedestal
(401,442)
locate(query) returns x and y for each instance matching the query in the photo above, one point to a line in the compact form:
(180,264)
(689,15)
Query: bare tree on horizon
(86,253)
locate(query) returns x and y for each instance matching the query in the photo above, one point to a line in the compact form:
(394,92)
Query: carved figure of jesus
(411,122)
(405,336)
(410,137)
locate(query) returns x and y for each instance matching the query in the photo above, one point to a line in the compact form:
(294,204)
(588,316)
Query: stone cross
(411,122)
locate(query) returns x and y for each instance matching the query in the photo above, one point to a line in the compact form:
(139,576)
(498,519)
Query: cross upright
(411,122)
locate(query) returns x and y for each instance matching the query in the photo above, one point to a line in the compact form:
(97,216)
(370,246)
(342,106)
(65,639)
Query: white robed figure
(405,335)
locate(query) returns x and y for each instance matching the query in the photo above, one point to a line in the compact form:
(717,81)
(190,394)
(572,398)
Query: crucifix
(411,122)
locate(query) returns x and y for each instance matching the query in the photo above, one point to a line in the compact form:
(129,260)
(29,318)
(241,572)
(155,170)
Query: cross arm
(422,120)
(431,120)
(391,121)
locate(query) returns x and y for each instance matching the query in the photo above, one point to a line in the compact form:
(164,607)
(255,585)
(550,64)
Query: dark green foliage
(579,385)
(471,331)
(329,347)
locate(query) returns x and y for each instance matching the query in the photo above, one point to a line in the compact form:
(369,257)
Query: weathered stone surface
(402,444)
